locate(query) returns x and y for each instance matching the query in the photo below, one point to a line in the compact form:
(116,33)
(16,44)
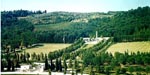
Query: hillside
(59,27)
(58,17)
(128,31)
(129,47)
(52,27)
(131,25)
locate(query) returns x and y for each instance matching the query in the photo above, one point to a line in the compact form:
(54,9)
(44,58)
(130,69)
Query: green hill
(58,27)
(58,17)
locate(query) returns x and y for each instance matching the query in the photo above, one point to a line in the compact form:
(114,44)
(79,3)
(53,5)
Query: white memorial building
(94,40)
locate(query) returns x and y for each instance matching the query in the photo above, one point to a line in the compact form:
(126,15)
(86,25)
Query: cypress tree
(46,63)
(57,64)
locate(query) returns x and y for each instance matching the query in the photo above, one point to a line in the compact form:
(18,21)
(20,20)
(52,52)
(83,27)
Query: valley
(59,42)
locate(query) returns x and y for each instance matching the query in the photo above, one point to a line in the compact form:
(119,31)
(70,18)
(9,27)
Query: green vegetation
(53,27)
(129,47)
(65,27)
(25,30)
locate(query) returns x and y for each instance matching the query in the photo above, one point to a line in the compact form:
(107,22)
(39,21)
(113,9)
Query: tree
(114,63)
(97,68)
(38,57)
(49,71)
(28,56)
(91,70)
(76,66)
(138,69)
(42,56)
(46,63)
(117,71)
(130,69)
(3,64)
(13,65)
(52,67)
(60,66)
(82,69)
(45,11)
(9,64)
(34,56)
(21,57)
(147,69)
(57,64)
(24,57)
(123,70)
(88,54)
(70,63)
(65,66)
(17,58)
(107,70)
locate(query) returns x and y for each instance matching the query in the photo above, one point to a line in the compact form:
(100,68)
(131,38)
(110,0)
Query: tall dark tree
(57,64)
(65,66)
(46,63)
(9,64)
(28,56)
(60,65)
(52,67)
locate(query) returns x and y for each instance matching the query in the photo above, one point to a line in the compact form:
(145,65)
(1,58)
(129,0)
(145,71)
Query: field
(130,47)
(48,27)
(46,48)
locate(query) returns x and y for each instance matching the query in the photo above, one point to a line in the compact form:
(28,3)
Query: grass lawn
(46,48)
(130,47)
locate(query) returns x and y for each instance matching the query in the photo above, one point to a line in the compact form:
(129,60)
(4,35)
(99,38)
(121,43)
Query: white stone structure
(25,68)
(94,40)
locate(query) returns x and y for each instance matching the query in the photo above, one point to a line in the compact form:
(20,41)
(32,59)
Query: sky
(73,5)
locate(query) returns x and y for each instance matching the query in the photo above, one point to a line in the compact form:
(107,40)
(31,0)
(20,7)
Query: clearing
(130,47)
(48,27)
(46,48)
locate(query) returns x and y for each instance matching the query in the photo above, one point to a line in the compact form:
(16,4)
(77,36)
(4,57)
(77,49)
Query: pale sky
(73,5)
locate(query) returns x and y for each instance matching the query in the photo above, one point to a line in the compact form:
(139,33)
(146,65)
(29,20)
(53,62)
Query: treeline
(60,16)
(9,16)
(17,33)
(67,35)
(101,46)
(60,53)
(107,63)
(61,56)
(13,60)
(132,25)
